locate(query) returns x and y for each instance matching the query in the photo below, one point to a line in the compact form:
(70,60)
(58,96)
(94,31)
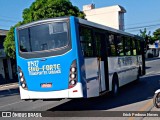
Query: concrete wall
(3,56)
(2,71)
(2,68)
(10,69)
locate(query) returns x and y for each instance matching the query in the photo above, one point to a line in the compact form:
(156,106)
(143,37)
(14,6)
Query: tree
(148,38)
(156,34)
(9,43)
(41,9)
(144,33)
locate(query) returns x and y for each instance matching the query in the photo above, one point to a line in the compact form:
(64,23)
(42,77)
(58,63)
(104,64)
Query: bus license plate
(46,85)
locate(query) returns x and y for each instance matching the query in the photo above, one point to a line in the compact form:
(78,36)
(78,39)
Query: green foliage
(144,33)
(148,38)
(9,43)
(156,34)
(41,9)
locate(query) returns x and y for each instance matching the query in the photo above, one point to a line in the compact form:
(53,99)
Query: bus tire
(115,86)
(140,71)
(156,100)
(138,75)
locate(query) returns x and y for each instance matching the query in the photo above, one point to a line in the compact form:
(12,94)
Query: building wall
(10,69)
(109,16)
(2,68)
(5,69)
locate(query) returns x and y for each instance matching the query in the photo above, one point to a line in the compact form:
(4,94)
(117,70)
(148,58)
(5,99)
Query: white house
(112,16)
(7,66)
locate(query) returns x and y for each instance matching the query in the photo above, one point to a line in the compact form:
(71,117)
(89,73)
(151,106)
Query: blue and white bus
(71,57)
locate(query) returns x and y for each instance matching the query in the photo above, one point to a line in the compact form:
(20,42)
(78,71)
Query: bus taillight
(73,75)
(22,79)
(73,69)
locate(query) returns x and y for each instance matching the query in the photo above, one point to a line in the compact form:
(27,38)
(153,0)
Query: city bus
(70,57)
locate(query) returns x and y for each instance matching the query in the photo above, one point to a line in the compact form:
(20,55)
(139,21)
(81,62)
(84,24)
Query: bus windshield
(44,37)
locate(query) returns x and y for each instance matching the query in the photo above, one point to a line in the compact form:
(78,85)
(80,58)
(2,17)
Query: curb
(9,86)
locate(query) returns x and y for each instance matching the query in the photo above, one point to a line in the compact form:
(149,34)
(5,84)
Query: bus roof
(92,24)
(82,21)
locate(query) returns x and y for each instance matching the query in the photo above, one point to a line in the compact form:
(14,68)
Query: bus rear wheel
(115,86)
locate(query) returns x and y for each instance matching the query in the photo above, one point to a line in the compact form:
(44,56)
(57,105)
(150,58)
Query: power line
(137,27)
(143,22)
(138,30)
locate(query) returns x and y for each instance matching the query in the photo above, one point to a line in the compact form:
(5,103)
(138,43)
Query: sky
(140,13)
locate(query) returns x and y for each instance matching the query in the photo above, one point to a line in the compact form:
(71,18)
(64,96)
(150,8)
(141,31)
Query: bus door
(101,53)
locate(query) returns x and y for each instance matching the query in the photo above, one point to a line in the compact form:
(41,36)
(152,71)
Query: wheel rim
(158,100)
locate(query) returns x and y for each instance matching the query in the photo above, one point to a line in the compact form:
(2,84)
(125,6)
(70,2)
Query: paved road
(133,97)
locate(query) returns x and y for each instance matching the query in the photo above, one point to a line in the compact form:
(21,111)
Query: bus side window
(120,46)
(138,47)
(86,41)
(127,46)
(98,44)
(134,47)
(111,46)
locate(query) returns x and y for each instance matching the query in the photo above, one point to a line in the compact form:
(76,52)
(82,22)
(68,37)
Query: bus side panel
(126,67)
(80,59)
(74,39)
(102,76)
(92,76)
(16,45)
